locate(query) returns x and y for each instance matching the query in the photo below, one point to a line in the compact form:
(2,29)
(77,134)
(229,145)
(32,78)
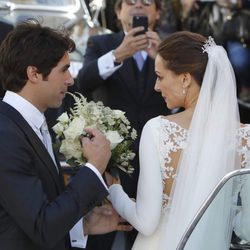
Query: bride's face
(169,84)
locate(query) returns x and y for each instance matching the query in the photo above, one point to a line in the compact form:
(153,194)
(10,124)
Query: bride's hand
(111,180)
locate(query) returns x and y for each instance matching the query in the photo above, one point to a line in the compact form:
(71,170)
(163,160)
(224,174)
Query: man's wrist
(114,57)
(97,172)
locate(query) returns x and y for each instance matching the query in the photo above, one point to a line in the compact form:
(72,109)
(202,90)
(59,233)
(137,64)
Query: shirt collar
(29,112)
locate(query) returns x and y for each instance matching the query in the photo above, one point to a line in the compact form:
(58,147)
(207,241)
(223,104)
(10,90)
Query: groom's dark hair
(30,44)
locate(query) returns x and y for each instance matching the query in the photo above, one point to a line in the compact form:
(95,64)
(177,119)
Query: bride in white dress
(183,156)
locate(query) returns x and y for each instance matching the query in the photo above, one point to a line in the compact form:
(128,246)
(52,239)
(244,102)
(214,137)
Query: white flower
(63,118)
(59,128)
(71,148)
(114,138)
(118,113)
(133,134)
(75,128)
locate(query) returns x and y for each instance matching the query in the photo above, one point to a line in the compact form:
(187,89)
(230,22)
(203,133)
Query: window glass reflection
(44,2)
(228,228)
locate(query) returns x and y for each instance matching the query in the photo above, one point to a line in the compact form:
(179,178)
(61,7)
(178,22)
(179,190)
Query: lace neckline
(173,123)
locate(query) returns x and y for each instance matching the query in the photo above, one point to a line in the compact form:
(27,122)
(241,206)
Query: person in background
(183,156)
(37,210)
(5,28)
(110,74)
(237,45)
(239,54)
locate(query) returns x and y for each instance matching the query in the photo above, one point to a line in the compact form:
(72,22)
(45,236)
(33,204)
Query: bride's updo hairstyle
(182,53)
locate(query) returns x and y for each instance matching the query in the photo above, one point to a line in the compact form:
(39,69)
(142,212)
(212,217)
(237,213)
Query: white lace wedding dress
(160,147)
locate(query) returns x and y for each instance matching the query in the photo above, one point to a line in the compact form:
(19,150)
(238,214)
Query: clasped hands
(104,219)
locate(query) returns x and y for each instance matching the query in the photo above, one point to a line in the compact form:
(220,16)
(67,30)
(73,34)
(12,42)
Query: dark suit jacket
(36,210)
(120,90)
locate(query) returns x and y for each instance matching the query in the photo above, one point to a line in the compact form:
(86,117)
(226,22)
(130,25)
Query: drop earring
(184,92)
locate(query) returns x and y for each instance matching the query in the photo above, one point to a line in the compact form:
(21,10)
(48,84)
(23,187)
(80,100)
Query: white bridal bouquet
(113,123)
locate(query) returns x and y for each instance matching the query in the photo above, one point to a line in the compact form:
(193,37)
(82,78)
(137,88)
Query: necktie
(139,60)
(47,141)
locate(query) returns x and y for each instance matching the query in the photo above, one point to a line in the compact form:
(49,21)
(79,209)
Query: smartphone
(140,21)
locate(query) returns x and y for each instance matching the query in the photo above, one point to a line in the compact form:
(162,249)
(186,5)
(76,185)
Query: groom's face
(52,89)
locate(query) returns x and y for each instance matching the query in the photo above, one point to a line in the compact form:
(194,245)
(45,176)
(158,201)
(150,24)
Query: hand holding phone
(140,21)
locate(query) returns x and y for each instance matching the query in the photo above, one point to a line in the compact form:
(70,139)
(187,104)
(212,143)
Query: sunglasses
(144,2)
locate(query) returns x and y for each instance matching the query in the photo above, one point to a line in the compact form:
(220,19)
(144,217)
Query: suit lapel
(127,75)
(150,79)
(33,139)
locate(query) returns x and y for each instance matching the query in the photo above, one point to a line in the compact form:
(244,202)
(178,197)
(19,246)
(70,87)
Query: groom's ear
(32,74)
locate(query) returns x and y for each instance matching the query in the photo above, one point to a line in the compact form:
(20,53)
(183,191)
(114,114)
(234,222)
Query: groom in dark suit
(110,74)
(37,212)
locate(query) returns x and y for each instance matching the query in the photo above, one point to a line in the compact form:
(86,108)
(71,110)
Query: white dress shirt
(106,64)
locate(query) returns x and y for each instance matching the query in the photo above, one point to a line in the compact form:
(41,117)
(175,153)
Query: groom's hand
(96,148)
(103,220)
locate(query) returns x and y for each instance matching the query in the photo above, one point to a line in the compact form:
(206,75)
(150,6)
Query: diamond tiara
(210,43)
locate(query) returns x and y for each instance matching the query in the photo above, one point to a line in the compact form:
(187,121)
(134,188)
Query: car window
(44,2)
(206,231)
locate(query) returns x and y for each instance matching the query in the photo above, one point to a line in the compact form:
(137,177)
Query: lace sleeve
(144,214)
(244,145)
(242,220)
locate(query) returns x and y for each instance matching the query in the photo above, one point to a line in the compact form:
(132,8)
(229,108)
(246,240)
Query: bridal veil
(210,154)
